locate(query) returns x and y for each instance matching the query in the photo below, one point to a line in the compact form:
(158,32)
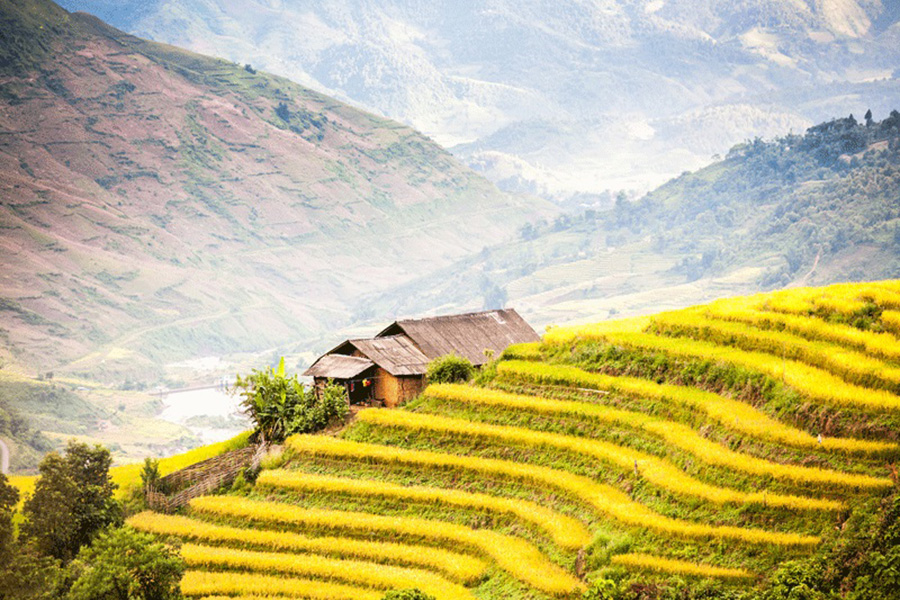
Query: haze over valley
(165,209)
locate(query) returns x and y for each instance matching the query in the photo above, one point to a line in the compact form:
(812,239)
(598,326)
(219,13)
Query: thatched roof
(406,347)
(396,354)
(338,366)
(467,335)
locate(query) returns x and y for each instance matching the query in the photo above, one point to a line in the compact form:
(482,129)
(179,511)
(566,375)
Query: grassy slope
(448,475)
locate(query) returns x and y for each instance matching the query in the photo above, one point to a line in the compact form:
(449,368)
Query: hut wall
(396,390)
(410,387)
(387,388)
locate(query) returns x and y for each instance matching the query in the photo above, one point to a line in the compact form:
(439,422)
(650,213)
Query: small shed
(390,368)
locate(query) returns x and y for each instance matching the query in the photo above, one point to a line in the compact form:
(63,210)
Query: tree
(9,497)
(149,473)
(123,564)
(283,112)
(450,369)
(73,499)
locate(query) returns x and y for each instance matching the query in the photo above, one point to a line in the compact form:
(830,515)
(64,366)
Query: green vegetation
(70,541)
(280,405)
(450,369)
(809,208)
(122,564)
(408,594)
(72,500)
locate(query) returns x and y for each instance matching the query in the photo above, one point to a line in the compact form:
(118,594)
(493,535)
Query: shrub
(150,473)
(602,589)
(450,369)
(123,564)
(408,594)
(280,405)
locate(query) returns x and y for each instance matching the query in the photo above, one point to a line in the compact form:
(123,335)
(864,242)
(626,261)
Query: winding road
(4,457)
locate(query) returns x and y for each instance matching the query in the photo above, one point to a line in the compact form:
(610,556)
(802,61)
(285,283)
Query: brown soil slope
(163,202)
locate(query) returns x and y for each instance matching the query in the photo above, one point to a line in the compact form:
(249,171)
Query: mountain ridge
(599,87)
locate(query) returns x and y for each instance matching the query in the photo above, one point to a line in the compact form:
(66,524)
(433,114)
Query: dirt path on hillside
(4,457)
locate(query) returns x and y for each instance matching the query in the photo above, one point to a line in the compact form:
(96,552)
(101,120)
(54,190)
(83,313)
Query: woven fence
(177,489)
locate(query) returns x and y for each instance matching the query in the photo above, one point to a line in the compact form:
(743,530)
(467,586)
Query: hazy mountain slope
(561,96)
(811,209)
(160,204)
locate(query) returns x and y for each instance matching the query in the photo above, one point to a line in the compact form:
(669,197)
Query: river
(210,414)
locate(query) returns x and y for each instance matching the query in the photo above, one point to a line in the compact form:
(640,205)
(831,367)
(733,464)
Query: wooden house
(390,367)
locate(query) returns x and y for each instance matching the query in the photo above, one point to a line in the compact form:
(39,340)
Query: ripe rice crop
(466,569)
(733,414)
(891,321)
(604,499)
(565,531)
(564,335)
(657,471)
(681,567)
(675,434)
(746,310)
(524,351)
(814,383)
(515,556)
(204,583)
(364,574)
(851,366)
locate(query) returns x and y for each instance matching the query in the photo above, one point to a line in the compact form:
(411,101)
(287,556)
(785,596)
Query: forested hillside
(809,208)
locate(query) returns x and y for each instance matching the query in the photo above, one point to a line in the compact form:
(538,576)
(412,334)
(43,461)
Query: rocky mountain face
(565,98)
(159,204)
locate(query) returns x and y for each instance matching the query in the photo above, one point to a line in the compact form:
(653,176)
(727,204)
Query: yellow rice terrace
(742,449)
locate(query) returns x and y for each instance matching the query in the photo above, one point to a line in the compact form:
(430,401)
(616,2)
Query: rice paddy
(696,451)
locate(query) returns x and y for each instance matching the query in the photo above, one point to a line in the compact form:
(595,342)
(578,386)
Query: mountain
(159,204)
(806,209)
(566,97)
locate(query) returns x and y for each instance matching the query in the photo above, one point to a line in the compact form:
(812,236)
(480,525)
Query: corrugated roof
(396,354)
(467,335)
(338,366)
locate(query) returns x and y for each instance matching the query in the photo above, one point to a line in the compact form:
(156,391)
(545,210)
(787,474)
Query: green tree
(73,499)
(450,369)
(123,564)
(9,497)
(149,473)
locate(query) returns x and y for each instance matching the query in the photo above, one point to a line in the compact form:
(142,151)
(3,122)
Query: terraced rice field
(716,442)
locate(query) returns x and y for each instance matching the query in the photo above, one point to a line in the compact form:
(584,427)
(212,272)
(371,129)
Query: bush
(409,594)
(280,405)
(123,564)
(450,369)
(602,589)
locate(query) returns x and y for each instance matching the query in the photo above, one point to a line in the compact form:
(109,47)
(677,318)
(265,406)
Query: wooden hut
(390,368)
